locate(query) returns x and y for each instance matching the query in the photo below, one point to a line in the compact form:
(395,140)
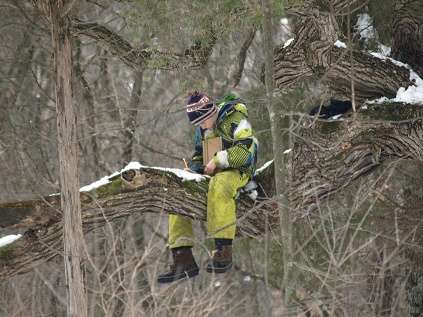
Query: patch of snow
(340,44)
(253,194)
(9,239)
(101,182)
(247,278)
(385,50)
(336,117)
(284,21)
(287,151)
(251,185)
(217,284)
(132,166)
(364,26)
(288,42)
(378,100)
(379,55)
(261,169)
(411,94)
(384,57)
(250,190)
(184,175)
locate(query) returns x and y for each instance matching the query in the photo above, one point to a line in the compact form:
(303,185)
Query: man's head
(201,110)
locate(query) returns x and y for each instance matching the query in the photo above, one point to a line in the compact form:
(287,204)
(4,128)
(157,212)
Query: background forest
(343,233)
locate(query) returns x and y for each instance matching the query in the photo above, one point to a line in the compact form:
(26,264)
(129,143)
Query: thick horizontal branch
(373,77)
(330,155)
(313,55)
(138,191)
(141,58)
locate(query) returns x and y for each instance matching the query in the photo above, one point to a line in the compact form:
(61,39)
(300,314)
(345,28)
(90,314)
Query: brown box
(210,147)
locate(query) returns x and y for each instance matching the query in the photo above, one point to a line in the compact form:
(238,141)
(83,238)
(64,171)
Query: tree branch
(237,75)
(142,58)
(136,191)
(313,55)
(329,156)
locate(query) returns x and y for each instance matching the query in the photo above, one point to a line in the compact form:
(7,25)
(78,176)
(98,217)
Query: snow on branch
(136,189)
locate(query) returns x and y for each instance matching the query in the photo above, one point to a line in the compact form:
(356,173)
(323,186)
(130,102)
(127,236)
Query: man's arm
(196,162)
(242,153)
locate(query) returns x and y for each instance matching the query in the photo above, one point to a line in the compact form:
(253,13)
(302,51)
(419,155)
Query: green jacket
(239,144)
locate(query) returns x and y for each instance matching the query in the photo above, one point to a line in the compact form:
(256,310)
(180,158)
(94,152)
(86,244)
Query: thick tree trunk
(408,34)
(73,237)
(313,56)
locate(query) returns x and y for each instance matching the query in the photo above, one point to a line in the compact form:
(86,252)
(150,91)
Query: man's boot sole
(225,269)
(183,275)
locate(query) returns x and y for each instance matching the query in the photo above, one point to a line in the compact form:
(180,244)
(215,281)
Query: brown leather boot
(221,260)
(184,266)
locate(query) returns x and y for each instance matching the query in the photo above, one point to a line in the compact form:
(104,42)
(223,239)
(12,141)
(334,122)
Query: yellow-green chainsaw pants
(221,211)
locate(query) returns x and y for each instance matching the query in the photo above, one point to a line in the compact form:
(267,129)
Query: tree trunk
(277,147)
(313,56)
(132,118)
(68,160)
(9,94)
(90,112)
(408,34)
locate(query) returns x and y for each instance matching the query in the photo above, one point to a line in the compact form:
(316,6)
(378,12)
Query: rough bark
(313,55)
(354,171)
(73,237)
(142,58)
(408,34)
(137,191)
(329,156)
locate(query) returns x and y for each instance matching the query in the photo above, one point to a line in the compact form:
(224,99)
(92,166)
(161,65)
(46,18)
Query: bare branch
(142,58)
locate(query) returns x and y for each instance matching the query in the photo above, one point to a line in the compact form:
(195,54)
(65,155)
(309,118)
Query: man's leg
(181,240)
(221,216)
(180,232)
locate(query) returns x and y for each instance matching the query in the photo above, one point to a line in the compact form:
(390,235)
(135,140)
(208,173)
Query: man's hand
(210,168)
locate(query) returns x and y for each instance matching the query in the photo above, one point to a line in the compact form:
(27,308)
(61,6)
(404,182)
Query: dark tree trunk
(313,56)
(90,112)
(408,34)
(9,94)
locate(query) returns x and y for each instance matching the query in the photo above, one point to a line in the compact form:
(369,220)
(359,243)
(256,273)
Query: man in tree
(231,168)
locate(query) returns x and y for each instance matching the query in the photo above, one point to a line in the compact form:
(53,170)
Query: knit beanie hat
(200,108)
